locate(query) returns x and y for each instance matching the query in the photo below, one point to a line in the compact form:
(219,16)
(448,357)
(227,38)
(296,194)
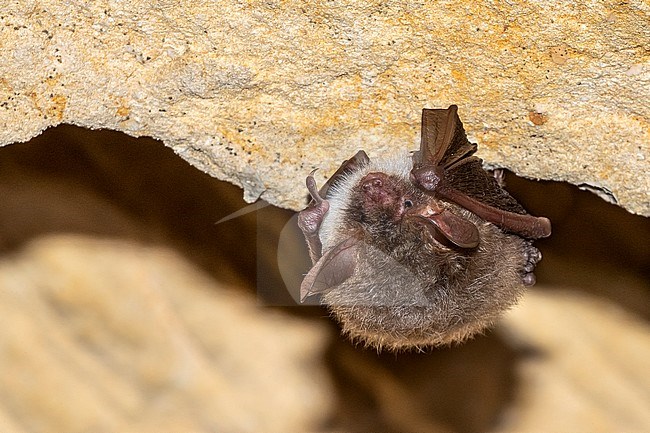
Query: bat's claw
(499,176)
(312,188)
(529,279)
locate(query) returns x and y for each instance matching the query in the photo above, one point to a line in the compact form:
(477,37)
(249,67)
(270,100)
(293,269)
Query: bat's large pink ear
(458,230)
(336,266)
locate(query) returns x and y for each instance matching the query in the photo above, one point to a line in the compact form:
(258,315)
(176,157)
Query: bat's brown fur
(408,290)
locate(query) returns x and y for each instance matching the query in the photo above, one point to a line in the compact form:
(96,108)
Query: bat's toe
(529,279)
(533,256)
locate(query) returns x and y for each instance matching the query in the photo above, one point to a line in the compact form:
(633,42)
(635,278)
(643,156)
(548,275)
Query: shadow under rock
(106,183)
(596,247)
(462,389)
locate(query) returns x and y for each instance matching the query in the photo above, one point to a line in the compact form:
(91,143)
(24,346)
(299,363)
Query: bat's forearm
(527,226)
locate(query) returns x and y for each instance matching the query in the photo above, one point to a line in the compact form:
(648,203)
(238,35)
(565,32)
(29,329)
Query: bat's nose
(372,181)
(378,189)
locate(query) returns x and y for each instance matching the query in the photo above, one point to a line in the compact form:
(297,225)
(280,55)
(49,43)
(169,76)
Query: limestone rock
(262,93)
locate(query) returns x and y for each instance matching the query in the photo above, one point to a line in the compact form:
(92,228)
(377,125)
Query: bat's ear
(348,166)
(458,230)
(446,226)
(336,266)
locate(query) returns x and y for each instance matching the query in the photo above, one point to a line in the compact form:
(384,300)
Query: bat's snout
(377,187)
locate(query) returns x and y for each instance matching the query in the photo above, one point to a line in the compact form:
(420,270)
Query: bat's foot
(533,256)
(309,221)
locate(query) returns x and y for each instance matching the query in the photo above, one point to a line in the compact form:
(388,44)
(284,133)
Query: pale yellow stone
(103,335)
(587,369)
(260,93)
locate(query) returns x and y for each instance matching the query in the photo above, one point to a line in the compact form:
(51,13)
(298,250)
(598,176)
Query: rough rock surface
(261,93)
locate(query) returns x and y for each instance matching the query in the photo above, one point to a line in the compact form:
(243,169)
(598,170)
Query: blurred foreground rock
(586,369)
(101,335)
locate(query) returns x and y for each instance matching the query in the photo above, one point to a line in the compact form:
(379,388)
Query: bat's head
(381,202)
(392,207)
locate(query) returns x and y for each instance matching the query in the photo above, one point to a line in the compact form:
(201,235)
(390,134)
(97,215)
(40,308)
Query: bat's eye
(408,203)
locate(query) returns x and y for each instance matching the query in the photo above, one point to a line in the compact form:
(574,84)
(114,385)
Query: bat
(418,250)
